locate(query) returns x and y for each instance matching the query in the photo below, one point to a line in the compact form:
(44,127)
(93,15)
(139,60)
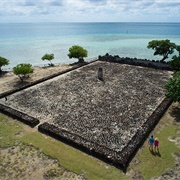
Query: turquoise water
(28,42)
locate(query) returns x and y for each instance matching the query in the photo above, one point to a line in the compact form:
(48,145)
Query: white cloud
(89,10)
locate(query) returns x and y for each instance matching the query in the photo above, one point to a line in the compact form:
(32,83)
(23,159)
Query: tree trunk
(81,60)
(51,64)
(21,78)
(164,57)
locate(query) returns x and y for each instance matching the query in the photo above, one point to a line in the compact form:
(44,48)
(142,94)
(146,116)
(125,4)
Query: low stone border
(31,121)
(4,94)
(143,132)
(119,159)
(137,62)
(22,116)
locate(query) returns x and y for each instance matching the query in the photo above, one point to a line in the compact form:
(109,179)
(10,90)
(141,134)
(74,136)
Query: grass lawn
(152,164)
(70,158)
(8,130)
(149,164)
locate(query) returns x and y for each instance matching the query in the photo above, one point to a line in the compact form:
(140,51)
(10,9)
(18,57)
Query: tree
(48,57)
(175,62)
(178,49)
(23,70)
(173,87)
(78,52)
(3,62)
(162,47)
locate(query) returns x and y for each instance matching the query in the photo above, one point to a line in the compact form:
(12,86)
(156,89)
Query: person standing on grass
(151,143)
(156,144)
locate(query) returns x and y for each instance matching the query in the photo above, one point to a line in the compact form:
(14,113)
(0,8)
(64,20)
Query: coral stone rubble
(108,118)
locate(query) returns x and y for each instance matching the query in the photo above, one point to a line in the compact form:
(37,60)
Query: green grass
(72,159)
(8,129)
(154,164)
(150,165)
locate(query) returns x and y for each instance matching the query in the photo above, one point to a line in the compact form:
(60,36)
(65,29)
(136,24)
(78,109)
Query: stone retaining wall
(119,159)
(29,120)
(5,94)
(137,62)
(109,119)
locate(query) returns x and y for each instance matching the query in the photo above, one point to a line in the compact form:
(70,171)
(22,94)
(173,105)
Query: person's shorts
(151,144)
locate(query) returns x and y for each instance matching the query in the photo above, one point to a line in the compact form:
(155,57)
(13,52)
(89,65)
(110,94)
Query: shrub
(23,70)
(3,62)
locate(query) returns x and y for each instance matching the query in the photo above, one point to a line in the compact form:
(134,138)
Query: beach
(9,81)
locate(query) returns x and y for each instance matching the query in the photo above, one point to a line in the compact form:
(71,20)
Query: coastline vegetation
(173,87)
(23,71)
(3,62)
(48,57)
(175,61)
(162,48)
(78,52)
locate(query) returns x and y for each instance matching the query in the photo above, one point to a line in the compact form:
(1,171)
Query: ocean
(28,42)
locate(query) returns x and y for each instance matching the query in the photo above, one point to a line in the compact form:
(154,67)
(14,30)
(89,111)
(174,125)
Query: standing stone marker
(100,74)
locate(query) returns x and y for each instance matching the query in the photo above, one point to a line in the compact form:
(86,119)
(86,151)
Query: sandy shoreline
(9,80)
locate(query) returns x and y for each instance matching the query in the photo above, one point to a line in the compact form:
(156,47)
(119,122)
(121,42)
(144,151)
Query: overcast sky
(89,10)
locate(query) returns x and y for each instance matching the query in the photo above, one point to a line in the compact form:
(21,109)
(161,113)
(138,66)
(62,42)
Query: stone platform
(108,118)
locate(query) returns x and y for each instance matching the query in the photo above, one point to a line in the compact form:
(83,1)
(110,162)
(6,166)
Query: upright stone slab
(100,74)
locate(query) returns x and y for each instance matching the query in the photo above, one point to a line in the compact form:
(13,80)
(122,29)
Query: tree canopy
(162,47)
(175,61)
(48,57)
(173,87)
(178,49)
(3,62)
(78,52)
(23,70)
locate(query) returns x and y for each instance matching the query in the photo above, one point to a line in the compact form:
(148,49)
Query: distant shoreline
(24,43)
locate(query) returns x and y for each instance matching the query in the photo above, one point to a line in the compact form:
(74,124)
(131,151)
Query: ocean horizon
(28,42)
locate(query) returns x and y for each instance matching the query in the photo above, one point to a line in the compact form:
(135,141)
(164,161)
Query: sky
(89,11)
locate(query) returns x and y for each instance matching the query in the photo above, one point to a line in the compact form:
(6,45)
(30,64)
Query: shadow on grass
(158,153)
(176,113)
(155,152)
